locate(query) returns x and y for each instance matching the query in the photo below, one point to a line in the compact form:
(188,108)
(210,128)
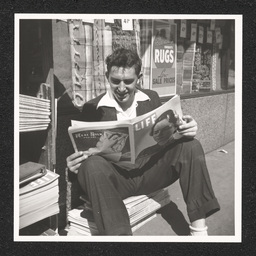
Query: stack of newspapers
(141,209)
(34,113)
(38,199)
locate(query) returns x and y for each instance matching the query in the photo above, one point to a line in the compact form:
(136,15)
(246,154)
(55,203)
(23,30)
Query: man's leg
(195,181)
(106,190)
(185,160)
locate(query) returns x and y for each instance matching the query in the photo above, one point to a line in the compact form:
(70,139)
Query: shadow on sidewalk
(175,219)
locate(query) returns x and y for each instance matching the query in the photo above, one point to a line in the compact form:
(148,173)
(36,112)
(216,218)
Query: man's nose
(121,86)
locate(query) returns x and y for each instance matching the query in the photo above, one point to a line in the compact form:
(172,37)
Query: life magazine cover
(127,142)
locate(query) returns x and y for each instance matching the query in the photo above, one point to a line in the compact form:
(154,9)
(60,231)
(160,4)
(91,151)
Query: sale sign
(164,60)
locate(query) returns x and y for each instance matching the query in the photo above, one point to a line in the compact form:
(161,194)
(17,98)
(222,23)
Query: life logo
(163,53)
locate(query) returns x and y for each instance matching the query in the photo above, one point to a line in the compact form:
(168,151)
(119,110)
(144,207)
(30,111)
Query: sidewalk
(172,219)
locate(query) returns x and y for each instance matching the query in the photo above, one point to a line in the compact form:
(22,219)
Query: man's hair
(169,115)
(125,58)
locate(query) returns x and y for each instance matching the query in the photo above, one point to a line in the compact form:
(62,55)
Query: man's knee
(192,147)
(93,165)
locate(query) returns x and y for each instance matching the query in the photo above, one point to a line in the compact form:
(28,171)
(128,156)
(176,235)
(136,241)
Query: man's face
(163,130)
(123,85)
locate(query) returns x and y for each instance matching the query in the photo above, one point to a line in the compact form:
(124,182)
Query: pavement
(172,219)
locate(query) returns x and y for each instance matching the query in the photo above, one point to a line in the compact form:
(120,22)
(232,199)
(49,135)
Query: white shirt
(108,100)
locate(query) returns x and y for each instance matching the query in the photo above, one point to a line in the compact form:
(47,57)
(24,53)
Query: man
(106,184)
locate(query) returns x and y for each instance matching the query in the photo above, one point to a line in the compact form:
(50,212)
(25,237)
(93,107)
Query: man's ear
(138,81)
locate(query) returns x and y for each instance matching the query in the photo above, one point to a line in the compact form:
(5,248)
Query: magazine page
(128,143)
(150,127)
(113,140)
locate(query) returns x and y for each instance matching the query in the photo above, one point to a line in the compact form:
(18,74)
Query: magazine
(141,209)
(127,142)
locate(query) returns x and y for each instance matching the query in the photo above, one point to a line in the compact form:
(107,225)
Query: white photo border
(238,132)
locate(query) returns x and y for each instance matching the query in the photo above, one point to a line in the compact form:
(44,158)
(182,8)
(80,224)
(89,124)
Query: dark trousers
(106,184)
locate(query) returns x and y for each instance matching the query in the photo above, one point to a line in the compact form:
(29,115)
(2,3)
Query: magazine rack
(39,146)
(37,80)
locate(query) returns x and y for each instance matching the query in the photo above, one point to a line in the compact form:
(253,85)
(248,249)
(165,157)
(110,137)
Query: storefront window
(204,53)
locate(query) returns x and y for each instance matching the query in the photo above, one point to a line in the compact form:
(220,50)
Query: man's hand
(75,160)
(189,127)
